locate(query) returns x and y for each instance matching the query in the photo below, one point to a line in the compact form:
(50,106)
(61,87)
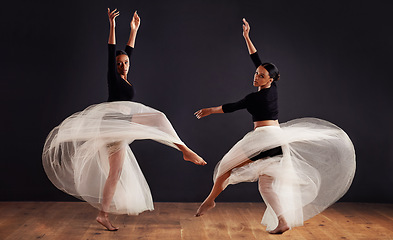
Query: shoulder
(252,96)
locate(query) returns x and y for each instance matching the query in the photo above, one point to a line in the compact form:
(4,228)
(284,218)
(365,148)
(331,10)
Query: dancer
(88,155)
(303,166)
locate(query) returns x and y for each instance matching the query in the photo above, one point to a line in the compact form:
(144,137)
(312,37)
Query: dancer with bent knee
(302,166)
(88,155)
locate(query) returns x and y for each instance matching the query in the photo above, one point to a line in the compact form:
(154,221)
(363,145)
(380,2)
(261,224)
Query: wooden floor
(76,220)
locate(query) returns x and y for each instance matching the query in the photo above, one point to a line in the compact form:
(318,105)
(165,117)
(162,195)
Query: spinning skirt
(75,154)
(315,170)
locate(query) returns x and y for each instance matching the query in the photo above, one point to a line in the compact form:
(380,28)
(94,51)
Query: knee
(224,176)
(265,188)
(265,184)
(157,118)
(114,175)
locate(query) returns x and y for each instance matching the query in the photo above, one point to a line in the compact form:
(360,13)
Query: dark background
(335,59)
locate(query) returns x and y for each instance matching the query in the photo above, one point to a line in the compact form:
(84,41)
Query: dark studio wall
(334,57)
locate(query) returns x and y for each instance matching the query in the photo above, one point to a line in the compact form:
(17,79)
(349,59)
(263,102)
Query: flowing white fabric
(75,154)
(315,170)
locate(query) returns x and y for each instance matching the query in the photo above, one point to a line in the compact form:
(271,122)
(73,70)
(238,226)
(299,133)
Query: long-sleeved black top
(119,90)
(262,105)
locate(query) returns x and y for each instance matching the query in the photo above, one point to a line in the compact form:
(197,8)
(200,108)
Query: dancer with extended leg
(285,158)
(122,89)
(88,155)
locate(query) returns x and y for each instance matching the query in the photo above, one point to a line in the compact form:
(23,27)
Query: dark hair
(273,70)
(120,52)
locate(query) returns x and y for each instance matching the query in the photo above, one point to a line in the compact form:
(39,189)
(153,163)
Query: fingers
(200,113)
(245,22)
(135,21)
(113,14)
(246,25)
(136,17)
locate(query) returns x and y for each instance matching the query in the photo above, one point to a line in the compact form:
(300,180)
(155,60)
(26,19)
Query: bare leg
(266,190)
(115,167)
(191,156)
(159,120)
(218,187)
(216,190)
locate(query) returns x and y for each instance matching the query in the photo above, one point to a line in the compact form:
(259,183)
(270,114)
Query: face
(262,78)
(123,64)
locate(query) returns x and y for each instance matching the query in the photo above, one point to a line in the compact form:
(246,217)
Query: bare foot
(103,219)
(189,155)
(193,157)
(282,226)
(205,206)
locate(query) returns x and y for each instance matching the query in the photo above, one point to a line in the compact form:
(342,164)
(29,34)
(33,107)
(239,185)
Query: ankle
(209,201)
(282,220)
(103,214)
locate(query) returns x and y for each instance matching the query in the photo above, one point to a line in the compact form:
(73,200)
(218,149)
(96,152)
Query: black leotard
(119,90)
(263,105)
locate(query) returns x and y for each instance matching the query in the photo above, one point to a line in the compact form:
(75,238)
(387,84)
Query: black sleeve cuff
(225,108)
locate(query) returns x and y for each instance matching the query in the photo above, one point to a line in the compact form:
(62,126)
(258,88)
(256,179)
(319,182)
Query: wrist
(215,109)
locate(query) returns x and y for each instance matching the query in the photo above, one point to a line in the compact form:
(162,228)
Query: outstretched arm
(251,48)
(246,34)
(112,15)
(135,22)
(207,111)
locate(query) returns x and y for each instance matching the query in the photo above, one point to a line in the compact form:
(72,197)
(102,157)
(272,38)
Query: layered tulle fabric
(315,170)
(75,154)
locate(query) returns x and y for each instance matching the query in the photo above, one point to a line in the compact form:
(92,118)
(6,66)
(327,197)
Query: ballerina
(88,156)
(302,166)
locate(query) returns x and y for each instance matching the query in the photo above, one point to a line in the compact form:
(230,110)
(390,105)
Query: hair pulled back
(273,70)
(120,52)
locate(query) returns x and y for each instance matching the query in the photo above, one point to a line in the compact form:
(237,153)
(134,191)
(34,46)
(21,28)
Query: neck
(264,86)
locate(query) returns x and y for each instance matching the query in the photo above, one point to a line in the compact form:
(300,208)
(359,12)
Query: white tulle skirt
(315,170)
(75,154)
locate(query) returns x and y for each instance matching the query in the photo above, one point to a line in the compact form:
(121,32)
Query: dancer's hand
(203,113)
(246,28)
(135,22)
(112,15)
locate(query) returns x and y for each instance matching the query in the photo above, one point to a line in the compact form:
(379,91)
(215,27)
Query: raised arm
(135,22)
(246,34)
(251,48)
(112,15)
(207,111)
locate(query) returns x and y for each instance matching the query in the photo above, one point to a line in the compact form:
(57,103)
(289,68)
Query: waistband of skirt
(266,127)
